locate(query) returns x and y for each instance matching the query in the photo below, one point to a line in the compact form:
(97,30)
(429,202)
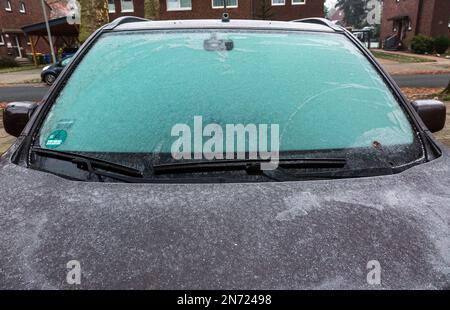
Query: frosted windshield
(131,88)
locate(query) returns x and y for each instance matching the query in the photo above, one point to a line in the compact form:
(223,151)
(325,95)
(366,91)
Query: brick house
(14,14)
(14,19)
(239,9)
(403,19)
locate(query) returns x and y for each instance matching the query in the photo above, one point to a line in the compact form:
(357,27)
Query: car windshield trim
(246,164)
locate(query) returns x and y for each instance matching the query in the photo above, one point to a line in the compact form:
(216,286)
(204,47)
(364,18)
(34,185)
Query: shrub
(6,62)
(421,44)
(441,44)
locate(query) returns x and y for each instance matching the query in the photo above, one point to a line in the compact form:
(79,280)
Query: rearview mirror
(432,113)
(16,116)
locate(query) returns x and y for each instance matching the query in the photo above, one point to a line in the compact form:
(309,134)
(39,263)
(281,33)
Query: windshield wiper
(249,165)
(92,165)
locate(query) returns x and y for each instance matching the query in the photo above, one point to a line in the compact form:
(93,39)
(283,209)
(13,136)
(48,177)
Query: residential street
(35,92)
(422,80)
(431,72)
(25,92)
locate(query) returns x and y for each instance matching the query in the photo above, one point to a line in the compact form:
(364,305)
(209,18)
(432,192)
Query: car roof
(139,24)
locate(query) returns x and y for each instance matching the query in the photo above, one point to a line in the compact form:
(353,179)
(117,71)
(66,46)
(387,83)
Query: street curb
(23,85)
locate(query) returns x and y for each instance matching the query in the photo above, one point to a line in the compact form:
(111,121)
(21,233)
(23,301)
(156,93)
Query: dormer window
(127,6)
(219,4)
(111,6)
(278,2)
(22,8)
(8,6)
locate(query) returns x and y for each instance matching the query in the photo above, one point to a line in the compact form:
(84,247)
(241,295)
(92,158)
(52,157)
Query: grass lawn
(400,58)
(21,68)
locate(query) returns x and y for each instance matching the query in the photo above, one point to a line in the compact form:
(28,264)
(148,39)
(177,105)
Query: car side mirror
(432,113)
(16,116)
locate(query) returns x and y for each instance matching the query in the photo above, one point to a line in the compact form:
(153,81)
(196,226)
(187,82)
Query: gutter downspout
(418,17)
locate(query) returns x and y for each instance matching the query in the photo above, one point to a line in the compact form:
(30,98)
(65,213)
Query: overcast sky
(330,3)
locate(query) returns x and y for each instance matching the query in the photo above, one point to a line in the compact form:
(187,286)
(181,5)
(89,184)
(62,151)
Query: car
(50,73)
(225,154)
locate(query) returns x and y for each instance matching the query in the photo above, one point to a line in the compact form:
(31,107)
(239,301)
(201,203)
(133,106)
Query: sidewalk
(444,135)
(20,77)
(5,139)
(436,65)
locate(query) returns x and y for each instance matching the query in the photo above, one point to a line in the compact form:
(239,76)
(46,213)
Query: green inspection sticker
(56,138)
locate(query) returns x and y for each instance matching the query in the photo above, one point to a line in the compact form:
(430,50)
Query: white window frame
(298,2)
(2,40)
(179,7)
(278,4)
(8,6)
(221,6)
(126,10)
(113,5)
(22,8)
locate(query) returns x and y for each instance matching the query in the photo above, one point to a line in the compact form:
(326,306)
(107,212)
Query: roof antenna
(225,15)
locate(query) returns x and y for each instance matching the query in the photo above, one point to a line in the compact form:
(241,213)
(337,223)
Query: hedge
(7,62)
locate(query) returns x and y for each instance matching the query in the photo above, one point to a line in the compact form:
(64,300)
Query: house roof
(59,27)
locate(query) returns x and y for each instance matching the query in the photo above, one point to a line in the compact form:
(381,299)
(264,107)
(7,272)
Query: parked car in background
(361,181)
(51,72)
(69,51)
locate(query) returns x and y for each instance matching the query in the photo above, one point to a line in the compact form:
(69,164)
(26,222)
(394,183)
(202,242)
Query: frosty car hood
(294,235)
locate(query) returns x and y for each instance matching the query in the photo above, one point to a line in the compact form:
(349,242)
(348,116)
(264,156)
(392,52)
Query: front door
(17,47)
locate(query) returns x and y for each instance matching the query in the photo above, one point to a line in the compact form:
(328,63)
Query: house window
(278,2)
(179,5)
(297,2)
(218,4)
(111,6)
(127,6)
(22,8)
(8,5)
(2,41)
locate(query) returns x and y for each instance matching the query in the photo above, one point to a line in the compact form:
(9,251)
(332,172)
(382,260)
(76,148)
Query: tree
(354,11)
(264,10)
(151,9)
(94,14)
(326,11)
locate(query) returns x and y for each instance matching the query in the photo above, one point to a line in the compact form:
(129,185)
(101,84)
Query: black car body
(51,72)
(305,234)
